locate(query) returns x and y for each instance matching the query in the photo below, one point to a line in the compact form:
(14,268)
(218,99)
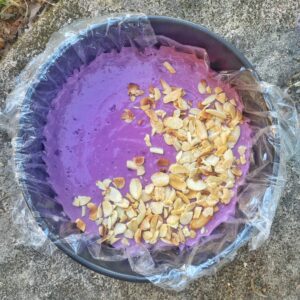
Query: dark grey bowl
(33,175)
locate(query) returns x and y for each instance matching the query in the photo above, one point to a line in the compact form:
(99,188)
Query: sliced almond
(178,169)
(199,223)
(208,100)
(160,179)
(173,122)
(202,87)
(119,182)
(196,185)
(156,150)
(166,88)
(208,212)
(173,96)
(197,212)
(140,171)
(147,140)
(177,182)
(138,236)
(218,90)
(125,242)
(81,200)
(173,220)
(216,113)
(186,218)
(221,97)
(114,195)
(163,162)
(80,225)
(169,67)
(135,188)
(107,208)
(129,234)
(157,207)
(139,160)
(157,94)
(93,211)
(131,165)
(119,228)
(127,115)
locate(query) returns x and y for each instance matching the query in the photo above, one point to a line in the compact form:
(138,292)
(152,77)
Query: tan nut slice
(221,97)
(93,211)
(147,236)
(208,212)
(163,230)
(208,100)
(216,113)
(127,115)
(125,242)
(114,195)
(211,160)
(177,182)
(178,169)
(147,140)
(157,94)
(173,221)
(186,218)
(169,67)
(173,96)
(135,188)
(119,182)
(131,165)
(138,236)
(119,228)
(166,88)
(229,108)
(160,179)
(80,224)
(202,87)
(196,185)
(197,212)
(218,90)
(133,225)
(163,162)
(173,122)
(156,150)
(140,171)
(129,234)
(139,160)
(149,188)
(157,207)
(199,223)
(81,200)
(107,208)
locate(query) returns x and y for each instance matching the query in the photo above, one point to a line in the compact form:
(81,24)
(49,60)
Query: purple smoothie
(86,140)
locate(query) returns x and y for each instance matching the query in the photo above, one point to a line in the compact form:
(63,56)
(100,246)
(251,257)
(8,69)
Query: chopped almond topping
(184,196)
(127,116)
(169,67)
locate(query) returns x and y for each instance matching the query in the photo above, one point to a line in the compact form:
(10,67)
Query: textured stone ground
(265,31)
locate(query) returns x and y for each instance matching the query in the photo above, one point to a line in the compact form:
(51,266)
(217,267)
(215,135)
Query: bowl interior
(39,196)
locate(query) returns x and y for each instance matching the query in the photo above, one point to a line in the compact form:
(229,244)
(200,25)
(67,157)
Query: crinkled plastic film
(273,119)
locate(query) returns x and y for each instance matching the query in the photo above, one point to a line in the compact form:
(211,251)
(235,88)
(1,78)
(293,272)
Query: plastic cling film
(275,128)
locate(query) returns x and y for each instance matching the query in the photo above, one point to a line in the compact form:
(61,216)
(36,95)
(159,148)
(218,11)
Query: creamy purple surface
(86,140)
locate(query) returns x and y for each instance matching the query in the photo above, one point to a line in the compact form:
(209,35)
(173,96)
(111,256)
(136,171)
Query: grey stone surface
(265,31)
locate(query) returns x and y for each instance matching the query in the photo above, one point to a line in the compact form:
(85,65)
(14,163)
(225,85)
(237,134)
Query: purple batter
(86,140)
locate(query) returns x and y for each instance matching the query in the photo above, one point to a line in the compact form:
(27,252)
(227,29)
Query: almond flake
(147,235)
(163,230)
(166,88)
(119,182)
(80,224)
(157,94)
(197,212)
(211,160)
(163,162)
(208,212)
(81,200)
(196,185)
(114,195)
(140,171)
(202,87)
(216,113)
(147,140)
(177,182)
(178,169)
(131,165)
(157,207)
(83,211)
(135,188)
(169,67)
(156,150)
(119,228)
(139,160)
(186,218)
(129,234)
(127,116)
(160,179)
(208,90)
(107,208)
(218,90)
(221,97)
(125,242)
(93,211)
(199,223)
(208,100)
(173,96)
(173,122)
(242,150)
(138,236)
(173,220)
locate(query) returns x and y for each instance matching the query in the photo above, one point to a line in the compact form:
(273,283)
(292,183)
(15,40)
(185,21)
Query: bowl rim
(242,237)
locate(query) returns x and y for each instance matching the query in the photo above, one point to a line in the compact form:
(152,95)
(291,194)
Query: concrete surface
(265,31)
